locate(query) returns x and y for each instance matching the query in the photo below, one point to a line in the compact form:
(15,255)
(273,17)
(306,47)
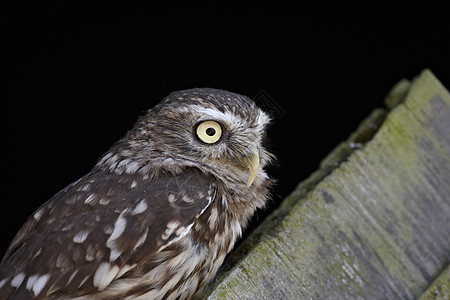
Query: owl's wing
(98,228)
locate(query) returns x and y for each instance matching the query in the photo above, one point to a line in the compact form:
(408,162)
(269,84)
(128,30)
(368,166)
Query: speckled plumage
(156,216)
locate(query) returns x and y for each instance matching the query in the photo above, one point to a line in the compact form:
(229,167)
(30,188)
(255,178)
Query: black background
(80,76)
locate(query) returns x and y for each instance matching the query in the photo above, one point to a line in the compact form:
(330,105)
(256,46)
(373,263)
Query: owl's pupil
(210,131)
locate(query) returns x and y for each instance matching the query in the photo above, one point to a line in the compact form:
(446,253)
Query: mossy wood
(371,223)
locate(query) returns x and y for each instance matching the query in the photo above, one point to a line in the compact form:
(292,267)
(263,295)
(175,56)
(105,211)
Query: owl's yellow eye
(209,132)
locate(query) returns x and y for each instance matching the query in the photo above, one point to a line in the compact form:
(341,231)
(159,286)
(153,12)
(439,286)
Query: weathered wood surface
(440,289)
(371,223)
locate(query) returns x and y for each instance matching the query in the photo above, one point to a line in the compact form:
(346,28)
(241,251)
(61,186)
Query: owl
(158,213)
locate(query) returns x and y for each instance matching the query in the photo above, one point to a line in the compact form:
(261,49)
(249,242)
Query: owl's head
(215,129)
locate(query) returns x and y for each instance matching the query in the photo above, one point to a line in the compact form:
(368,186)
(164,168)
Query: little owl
(156,216)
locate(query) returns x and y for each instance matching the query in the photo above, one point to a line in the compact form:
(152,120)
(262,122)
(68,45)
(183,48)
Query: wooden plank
(371,223)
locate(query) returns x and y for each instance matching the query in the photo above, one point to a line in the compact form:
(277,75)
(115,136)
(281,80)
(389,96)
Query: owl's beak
(253,165)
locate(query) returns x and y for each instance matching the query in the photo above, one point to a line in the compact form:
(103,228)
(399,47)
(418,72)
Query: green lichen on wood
(397,94)
(440,289)
(370,223)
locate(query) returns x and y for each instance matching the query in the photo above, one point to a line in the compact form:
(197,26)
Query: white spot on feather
(67,227)
(119,227)
(2,282)
(104,275)
(114,255)
(80,237)
(89,256)
(85,187)
(170,228)
(172,198)
(17,280)
(39,284)
(187,199)
(31,280)
(133,184)
(140,207)
(89,199)
(104,201)
(37,215)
